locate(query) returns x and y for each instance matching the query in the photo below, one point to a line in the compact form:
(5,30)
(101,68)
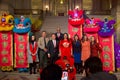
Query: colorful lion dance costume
(106,39)
(6,42)
(91,25)
(67,65)
(76,17)
(107,28)
(21,38)
(6,22)
(22,25)
(75,22)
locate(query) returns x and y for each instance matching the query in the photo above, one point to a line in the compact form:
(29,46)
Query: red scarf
(33,50)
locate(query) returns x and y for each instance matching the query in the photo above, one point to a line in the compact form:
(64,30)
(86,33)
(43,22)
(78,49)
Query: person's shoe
(30,72)
(34,72)
(78,72)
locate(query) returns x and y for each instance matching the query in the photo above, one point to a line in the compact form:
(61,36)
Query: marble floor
(26,76)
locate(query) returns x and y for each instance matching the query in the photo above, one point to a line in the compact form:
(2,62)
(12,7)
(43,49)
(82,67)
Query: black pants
(53,58)
(33,67)
(78,67)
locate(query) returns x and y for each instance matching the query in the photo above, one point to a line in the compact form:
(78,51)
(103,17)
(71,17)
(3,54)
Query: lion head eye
(27,24)
(10,21)
(3,20)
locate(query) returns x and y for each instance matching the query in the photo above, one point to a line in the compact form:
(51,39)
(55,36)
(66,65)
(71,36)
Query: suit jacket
(41,43)
(51,49)
(60,37)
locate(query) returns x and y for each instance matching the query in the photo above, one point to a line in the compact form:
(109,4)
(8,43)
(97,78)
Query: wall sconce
(47,7)
(35,12)
(77,7)
(61,1)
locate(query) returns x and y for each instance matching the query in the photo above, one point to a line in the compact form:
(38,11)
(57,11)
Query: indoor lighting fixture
(61,1)
(77,7)
(47,7)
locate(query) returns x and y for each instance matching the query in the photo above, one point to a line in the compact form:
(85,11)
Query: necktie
(54,43)
(45,42)
(58,34)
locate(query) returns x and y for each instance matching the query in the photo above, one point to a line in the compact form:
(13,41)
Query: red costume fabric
(63,64)
(95,50)
(33,48)
(65,48)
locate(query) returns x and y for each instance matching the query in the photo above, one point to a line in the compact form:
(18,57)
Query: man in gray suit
(42,44)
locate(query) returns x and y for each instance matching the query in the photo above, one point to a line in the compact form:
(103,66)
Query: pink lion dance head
(76,17)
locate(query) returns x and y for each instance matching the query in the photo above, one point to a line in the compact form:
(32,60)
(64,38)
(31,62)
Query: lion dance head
(76,17)
(22,25)
(6,22)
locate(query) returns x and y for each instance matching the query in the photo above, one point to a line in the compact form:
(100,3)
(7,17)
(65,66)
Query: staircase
(51,23)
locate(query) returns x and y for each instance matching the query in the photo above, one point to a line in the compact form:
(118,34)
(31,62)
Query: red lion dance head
(76,17)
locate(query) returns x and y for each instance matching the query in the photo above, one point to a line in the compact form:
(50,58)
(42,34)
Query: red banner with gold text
(74,30)
(6,49)
(21,41)
(107,55)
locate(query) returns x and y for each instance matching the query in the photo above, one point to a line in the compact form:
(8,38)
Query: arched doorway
(61,7)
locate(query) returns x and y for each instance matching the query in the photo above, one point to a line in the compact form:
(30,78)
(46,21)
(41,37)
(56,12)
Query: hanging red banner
(74,30)
(107,55)
(6,49)
(21,41)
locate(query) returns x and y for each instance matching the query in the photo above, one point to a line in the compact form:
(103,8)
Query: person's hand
(48,55)
(59,54)
(72,55)
(45,49)
(33,54)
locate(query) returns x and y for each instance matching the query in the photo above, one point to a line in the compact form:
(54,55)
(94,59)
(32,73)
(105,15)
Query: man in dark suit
(53,49)
(58,34)
(94,70)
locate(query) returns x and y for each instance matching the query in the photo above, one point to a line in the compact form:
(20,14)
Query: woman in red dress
(95,47)
(65,47)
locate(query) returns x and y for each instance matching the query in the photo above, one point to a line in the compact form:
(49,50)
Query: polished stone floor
(26,76)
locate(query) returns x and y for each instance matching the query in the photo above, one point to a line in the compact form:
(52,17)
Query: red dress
(33,50)
(95,50)
(65,48)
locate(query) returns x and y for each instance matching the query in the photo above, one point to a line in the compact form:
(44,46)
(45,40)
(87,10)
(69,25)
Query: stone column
(6,6)
(78,3)
(23,4)
(81,2)
(105,4)
(73,4)
(116,14)
(27,4)
(96,6)
(69,4)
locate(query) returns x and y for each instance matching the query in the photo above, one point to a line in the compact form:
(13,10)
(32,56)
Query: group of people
(60,45)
